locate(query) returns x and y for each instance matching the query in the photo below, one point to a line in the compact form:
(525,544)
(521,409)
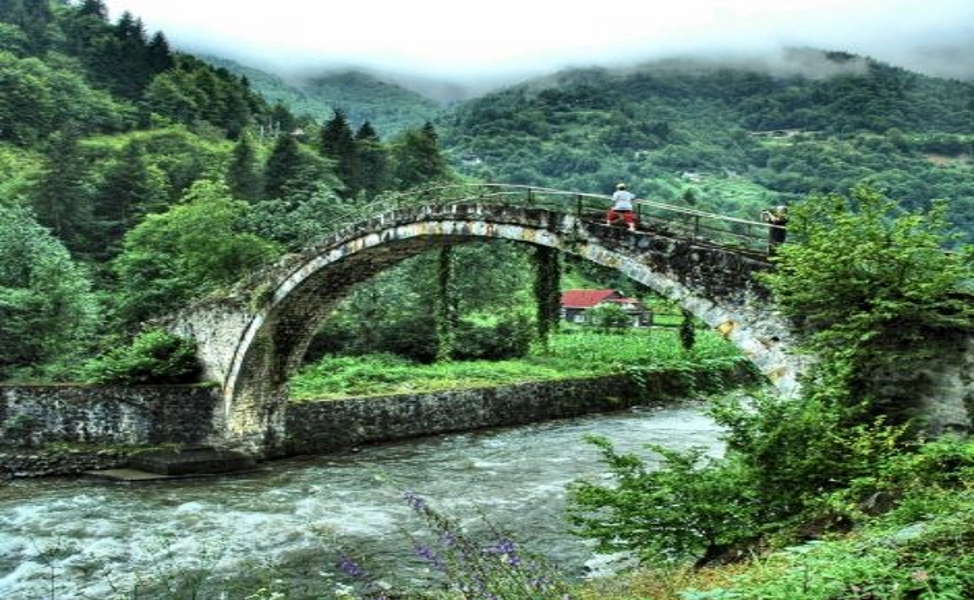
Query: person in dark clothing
(777,218)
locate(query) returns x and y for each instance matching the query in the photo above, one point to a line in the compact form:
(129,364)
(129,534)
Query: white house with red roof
(575,305)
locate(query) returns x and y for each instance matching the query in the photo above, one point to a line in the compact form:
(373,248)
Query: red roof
(587,298)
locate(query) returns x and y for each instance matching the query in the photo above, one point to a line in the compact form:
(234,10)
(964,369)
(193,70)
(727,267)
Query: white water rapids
(287,524)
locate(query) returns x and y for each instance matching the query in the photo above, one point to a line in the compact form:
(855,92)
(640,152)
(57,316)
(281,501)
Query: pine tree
(418,158)
(33,17)
(125,197)
(373,160)
(132,73)
(94,8)
(243,175)
(62,198)
(283,165)
(338,144)
(158,55)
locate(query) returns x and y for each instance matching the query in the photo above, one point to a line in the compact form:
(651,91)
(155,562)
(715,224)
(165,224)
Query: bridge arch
(250,341)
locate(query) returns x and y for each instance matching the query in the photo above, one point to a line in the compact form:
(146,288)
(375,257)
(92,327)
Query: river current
(287,524)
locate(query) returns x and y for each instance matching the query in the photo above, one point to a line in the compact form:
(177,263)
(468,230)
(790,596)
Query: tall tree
(295,173)
(171,257)
(158,54)
(284,165)
(48,314)
(871,286)
(127,193)
(63,197)
(338,144)
(243,175)
(94,8)
(34,18)
(373,159)
(417,158)
(130,50)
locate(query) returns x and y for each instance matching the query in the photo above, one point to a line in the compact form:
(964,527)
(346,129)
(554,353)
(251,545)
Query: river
(286,525)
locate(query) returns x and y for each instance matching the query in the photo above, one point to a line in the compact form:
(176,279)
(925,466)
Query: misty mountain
(389,107)
(728,136)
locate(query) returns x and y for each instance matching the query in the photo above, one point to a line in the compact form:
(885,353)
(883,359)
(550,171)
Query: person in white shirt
(622,207)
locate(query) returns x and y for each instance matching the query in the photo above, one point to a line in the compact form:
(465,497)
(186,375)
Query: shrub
(507,338)
(685,508)
(152,357)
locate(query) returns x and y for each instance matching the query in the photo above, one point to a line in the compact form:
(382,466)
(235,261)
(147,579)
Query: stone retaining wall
(39,415)
(345,423)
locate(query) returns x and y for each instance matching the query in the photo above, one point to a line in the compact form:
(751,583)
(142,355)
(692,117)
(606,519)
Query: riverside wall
(344,423)
(68,429)
(65,430)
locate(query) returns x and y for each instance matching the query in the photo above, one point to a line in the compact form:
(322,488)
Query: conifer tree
(62,198)
(243,175)
(126,196)
(418,159)
(295,173)
(282,166)
(94,8)
(33,17)
(158,55)
(373,160)
(130,50)
(338,144)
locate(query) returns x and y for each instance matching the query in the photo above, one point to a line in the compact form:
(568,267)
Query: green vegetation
(832,460)
(135,179)
(364,98)
(152,357)
(729,139)
(643,355)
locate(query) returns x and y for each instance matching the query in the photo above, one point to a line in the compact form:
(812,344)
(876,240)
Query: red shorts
(628,216)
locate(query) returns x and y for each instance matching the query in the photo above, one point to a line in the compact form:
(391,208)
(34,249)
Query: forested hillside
(729,138)
(134,178)
(388,107)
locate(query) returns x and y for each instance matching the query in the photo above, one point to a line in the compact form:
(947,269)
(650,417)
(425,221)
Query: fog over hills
(450,54)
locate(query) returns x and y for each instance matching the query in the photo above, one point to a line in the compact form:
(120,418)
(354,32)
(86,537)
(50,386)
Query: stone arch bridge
(252,338)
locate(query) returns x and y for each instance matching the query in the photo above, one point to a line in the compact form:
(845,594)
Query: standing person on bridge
(777,218)
(622,207)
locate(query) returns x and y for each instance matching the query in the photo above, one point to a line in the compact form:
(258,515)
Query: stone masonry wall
(32,416)
(345,423)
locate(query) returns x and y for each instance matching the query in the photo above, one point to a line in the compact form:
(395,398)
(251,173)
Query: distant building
(575,305)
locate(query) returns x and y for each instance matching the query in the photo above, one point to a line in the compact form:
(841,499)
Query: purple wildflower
(414,500)
(427,554)
(350,567)
(448,539)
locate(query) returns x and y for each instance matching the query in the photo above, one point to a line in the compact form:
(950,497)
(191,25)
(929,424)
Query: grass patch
(582,353)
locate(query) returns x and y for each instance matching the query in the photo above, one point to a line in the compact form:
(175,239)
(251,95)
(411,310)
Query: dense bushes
(152,357)
(844,437)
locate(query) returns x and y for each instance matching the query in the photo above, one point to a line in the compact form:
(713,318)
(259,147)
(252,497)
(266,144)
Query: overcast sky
(467,40)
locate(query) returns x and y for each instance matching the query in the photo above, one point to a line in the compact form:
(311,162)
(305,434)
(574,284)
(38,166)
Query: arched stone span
(251,340)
